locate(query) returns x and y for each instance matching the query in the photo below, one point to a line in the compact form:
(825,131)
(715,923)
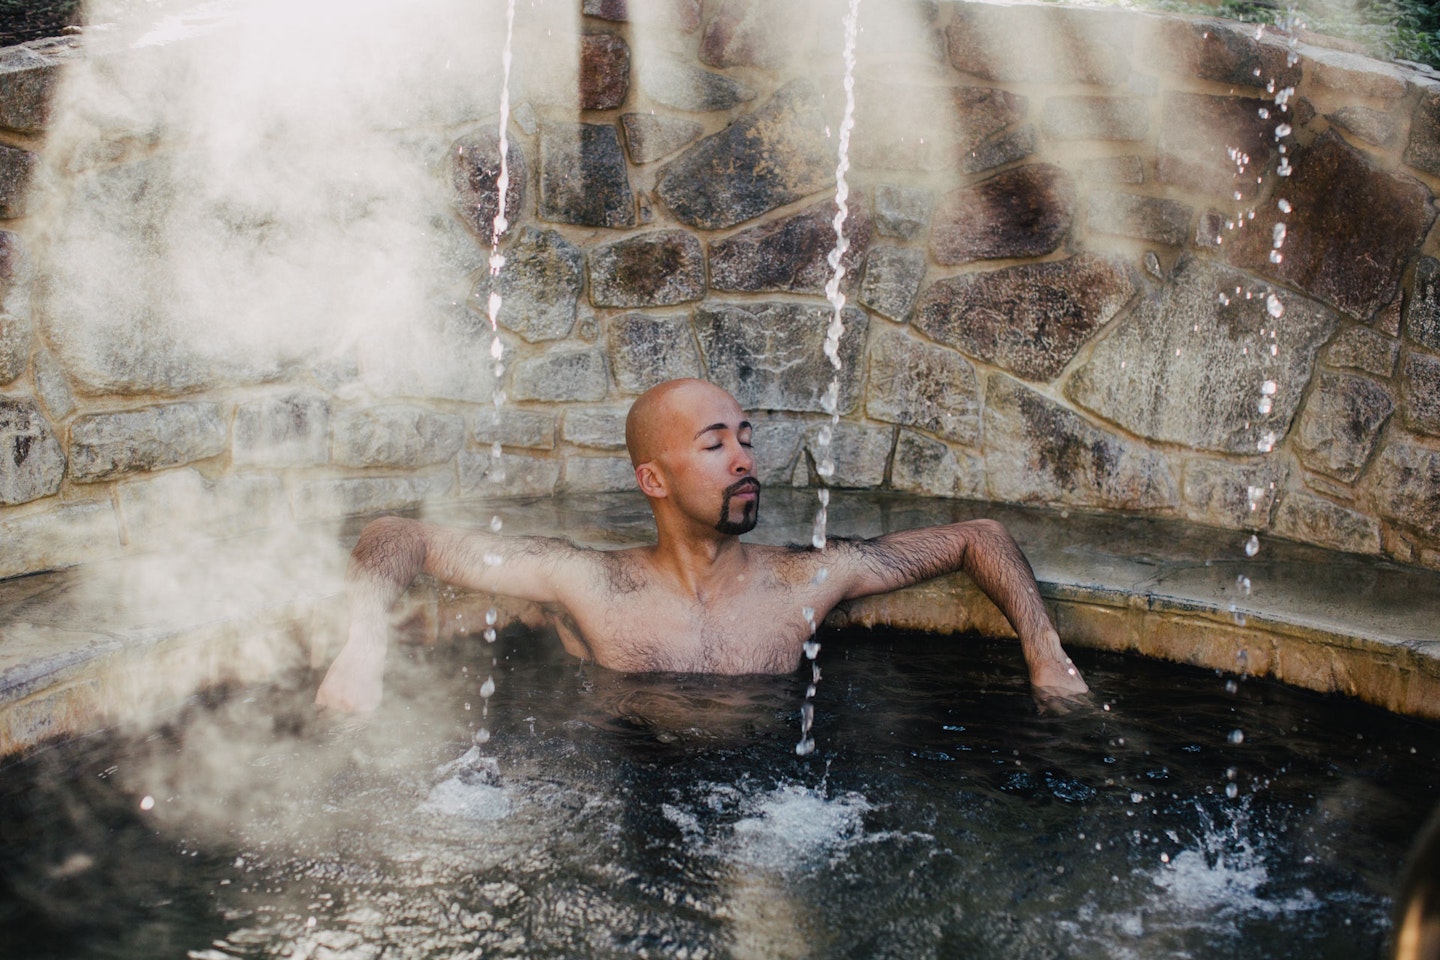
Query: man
(698,600)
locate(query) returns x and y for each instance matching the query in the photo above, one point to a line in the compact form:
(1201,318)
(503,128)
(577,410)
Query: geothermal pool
(1185,813)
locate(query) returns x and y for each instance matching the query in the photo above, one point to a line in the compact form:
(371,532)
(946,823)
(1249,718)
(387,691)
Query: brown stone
(27,88)
(1222,493)
(604,71)
(1312,519)
(1375,127)
(1404,486)
(982,112)
(650,136)
(1144,218)
(1420,393)
(934,469)
(1423,150)
(1084,117)
(1024,212)
(922,385)
(674,83)
(1029,319)
(1128,169)
(583,178)
(1219,50)
(1033,44)
(1340,424)
(1353,75)
(647,270)
(752,33)
(790,255)
(682,15)
(1421,313)
(1000,150)
(17,167)
(1360,348)
(475,173)
(1352,229)
(1201,136)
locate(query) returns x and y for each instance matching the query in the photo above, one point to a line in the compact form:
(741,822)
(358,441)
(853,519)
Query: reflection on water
(615,815)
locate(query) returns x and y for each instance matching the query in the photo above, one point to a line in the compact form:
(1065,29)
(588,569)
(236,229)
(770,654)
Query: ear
(651,480)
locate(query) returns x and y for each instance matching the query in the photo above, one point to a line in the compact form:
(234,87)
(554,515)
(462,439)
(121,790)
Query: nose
(744,462)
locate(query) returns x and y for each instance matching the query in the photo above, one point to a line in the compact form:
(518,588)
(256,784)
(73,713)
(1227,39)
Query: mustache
(746,483)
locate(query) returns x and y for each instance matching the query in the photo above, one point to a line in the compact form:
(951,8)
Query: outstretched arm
(986,552)
(390,554)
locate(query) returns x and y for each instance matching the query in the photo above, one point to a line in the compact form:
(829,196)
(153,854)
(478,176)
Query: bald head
(650,425)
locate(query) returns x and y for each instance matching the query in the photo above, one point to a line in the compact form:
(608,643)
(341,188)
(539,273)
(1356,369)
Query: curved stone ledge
(101,646)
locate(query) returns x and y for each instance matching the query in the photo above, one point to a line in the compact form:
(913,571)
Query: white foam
(469,801)
(793,826)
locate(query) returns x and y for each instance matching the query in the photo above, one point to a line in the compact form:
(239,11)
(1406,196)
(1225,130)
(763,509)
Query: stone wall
(1098,259)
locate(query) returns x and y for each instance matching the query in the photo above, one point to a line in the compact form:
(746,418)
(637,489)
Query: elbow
(391,547)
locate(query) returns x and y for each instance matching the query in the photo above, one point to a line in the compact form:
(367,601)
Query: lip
(747,489)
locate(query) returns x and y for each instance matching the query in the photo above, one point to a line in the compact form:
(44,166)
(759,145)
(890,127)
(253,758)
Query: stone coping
(112,643)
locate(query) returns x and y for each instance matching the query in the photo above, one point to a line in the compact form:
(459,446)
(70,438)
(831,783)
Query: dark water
(606,816)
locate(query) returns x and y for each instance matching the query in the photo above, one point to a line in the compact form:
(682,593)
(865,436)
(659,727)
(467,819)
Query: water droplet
(1283,130)
(496,524)
(487,689)
(1231,686)
(1269,387)
(147,803)
(1284,205)
(812,649)
(1164,858)
(482,735)
(1137,798)
(1273,306)
(491,616)
(1231,790)
(1265,405)
(1252,546)
(1236,737)
(490,634)
(1242,583)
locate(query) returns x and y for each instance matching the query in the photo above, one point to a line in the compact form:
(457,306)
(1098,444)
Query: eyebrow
(742,425)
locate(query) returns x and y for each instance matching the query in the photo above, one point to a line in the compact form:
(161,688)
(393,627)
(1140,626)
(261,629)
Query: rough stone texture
(647,350)
(51,386)
(769,355)
(1144,218)
(475,172)
(517,476)
(647,270)
(1354,75)
(858,452)
(599,427)
(1219,50)
(1029,319)
(999,43)
(540,286)
(604,71)
(931,468)
(597,475)
(773,156)
(1222,493)
(447,358)
(32,465)
(1387,318)
(1188,369)
(16,335)
(292,430)
(892,280)
(583,179)
(1337,249)
(174,506)
(395,435)
(1340,424)
(789,255)
(999,150)
(1038,451)
(512,427)
(17,167)
(107,445)
(64,535)
(1423,150)
(361,496)
(1096,118)
(981,113)
(650,137)
(777,442)
(1129,169)
(922,385)
(686,87)
(1360,348)
(27,85)
(1373,126)
(560,374)
(1199,131)
(752,33)
(681,15)
(1420,393)
(1025,212)
(902,212)
(1421,314)
(1405,486)
(1304,516)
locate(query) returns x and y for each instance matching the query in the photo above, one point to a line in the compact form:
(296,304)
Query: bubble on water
(1252,546)
(1236,737)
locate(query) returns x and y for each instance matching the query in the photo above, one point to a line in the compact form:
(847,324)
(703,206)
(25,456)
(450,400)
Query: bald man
(698,600)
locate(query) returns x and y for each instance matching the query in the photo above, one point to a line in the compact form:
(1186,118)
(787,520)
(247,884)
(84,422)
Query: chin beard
(749,512)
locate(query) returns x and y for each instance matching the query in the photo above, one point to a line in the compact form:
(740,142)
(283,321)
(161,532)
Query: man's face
(711,464)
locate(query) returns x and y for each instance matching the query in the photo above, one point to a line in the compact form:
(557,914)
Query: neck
(699,564)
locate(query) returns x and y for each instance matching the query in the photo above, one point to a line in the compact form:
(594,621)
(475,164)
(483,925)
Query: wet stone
(1186,368)
(1423,149)
(513,476)
(934,469)
(1360,348)
(540,286)
(1096,118)
(1029,319)
(900,211)
(649,270)
(999,150)
(1353,74)
(1221,493)
(1421,312)
(1130,169)
(1375,127)
(650,137)
(1197,134)
(1025,212)
(560,375)
(583,177)
(475,174)
(1340,424)
(770,355)
(1219,50)
(1336,248)
(106,445)
(685,87)
(16,335)
(1037,451)
(395,435)
(17,167)
(770,157)
(1420,393)
(645,351)
(982,112)
(32,465)
(596,475)
(604,71)
(599,427)
(1144,218)
(922,385)
(512,427)
(292,430)
(1405,486)
(892,280)
(1308,518)
(998,43)
(790,254)
(859,452)
(27,85)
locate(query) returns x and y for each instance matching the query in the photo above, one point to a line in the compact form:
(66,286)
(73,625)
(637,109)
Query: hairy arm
(391,553)
(984,551)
